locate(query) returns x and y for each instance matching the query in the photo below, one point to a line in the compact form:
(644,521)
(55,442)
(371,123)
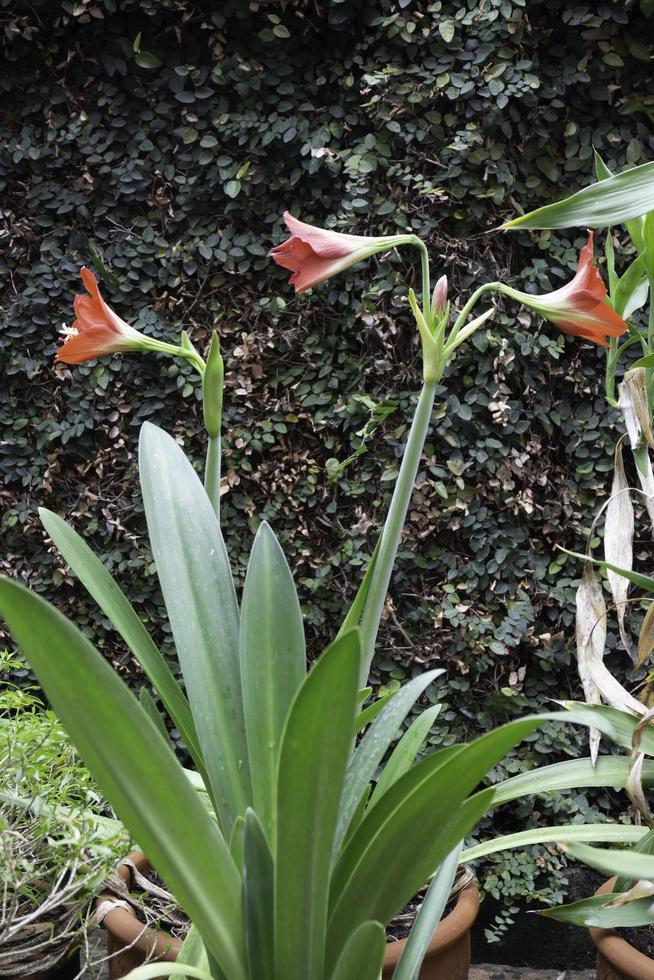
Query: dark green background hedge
(161,142)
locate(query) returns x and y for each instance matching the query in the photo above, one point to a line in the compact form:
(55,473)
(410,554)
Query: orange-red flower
(314,254)
(580,308)
(97,330)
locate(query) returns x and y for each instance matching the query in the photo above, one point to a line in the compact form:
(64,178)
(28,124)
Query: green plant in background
(625,199)
(304,863)
(58,838)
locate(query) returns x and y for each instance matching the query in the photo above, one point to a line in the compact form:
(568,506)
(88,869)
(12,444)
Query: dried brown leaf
(618,542)
(591,641)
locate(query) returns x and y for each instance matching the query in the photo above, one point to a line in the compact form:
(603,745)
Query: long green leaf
(607,832)
(427,919)
(356,609)
(632,289)
(589,912)
(363,954)
(273,663)
(153,970)
(258,899)
(644,846)
(634,227)
(314,754)
(402,839)
(608,202)
(148,704)
(370,712)
(405,752)
(616,725)
(642,581)
(97,581)
(193,952)
(627,864)
(372,748)
(197,586)
(135,769)
(573,774)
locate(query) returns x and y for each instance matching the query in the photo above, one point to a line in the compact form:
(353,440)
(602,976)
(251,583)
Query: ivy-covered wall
(160,141)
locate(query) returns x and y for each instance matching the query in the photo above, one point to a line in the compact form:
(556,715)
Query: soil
(160,913)
(534,941)
(641,939)
(400,927)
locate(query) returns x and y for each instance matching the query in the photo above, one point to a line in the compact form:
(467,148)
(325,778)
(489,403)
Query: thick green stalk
(212,473)
(426,284)
(392,532)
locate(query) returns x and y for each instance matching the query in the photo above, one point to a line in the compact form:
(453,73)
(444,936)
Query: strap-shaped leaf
(273,663)
(362,956)
(371,711)
(315,749)
(617,725)
(627,864)
(634,227)
(607,832)
(97,581)
(573,774)
(644,846)
(589,912)
(642,581)
(405,752)
(372,748)
(148,704)
(135,769)
(402,839)
(353,615)
(197,586)
(258,900)
(427,919)
(613,201)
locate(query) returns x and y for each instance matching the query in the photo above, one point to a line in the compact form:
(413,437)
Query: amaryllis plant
(287,845)
(623,205)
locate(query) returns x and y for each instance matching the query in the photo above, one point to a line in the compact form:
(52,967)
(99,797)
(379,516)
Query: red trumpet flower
(97,330)
(580,307)
(314,254)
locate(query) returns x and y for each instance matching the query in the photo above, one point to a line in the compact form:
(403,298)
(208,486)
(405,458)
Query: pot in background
(616,958)
(129,943)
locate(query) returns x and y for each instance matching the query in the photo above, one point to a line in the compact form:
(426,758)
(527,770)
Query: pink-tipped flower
(580,307)
(439,298)
(97,330)
(314,254)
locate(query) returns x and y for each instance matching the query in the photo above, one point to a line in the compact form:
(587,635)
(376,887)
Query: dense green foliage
(159,142)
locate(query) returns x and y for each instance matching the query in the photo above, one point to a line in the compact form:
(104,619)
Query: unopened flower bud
(212,389)
(439,297)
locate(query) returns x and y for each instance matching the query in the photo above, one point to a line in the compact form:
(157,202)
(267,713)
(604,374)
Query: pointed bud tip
(439,296)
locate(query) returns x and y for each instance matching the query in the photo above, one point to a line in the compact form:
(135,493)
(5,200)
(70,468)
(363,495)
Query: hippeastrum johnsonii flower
(314,254)
(439,298)
(97,330)
(580,307)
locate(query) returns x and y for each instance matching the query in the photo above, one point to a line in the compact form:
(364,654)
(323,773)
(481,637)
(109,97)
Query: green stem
(212,473)
(426,284)
(488,287)
(392,531)
(609,376)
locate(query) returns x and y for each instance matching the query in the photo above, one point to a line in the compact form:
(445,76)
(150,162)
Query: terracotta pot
(616,959)
(448,956)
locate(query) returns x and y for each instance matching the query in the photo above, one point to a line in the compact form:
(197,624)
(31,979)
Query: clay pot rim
(125,927)
(617,950)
